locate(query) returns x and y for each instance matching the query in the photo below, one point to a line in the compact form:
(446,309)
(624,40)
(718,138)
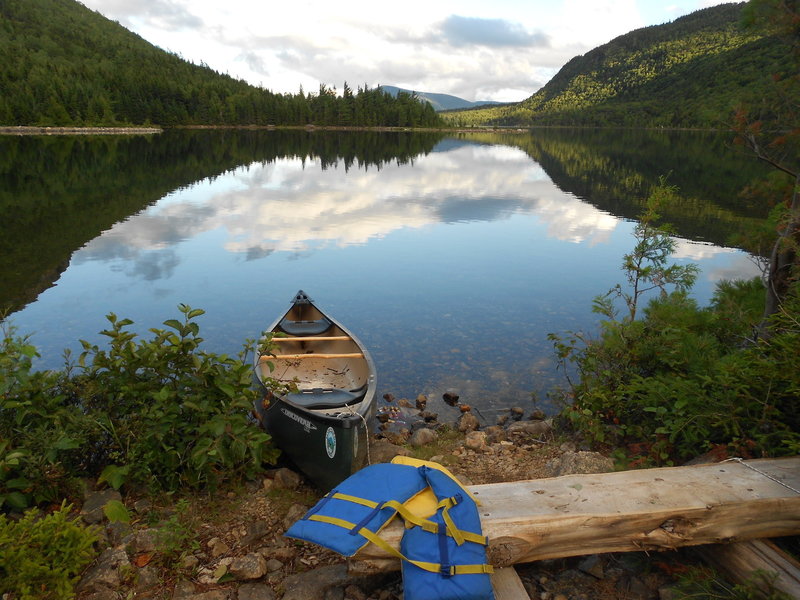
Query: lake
(452,256)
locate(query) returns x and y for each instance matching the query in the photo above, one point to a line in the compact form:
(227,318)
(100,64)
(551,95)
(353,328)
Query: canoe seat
(321,398)
(305,327)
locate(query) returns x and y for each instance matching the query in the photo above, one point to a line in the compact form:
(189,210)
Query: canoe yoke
(315,327)
(326,398)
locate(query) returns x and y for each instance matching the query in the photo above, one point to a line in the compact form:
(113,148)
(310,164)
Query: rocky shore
(230,545)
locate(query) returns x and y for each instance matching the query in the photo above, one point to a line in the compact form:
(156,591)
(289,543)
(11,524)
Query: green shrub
(671,386)
(42,437)
(156,412)
(172,415)
(42,557)
(681,379)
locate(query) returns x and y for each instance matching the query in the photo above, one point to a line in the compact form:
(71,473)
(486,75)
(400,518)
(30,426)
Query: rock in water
(423,437)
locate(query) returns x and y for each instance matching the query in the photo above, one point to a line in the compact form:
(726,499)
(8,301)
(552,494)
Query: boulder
(254,531)
(467,422)
(286,479)
(217,547)
(313,585)
(183,589)
(382,451)
(249,566)
(495,434)
(429,417)
(273,564)
(295,512)
(532,428)
(142,540)
(105,572)
(147,579)
(255,591)
(475,440)
(92,509)
(423,437)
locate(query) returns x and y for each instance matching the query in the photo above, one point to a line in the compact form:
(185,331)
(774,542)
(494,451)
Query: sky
(501,50)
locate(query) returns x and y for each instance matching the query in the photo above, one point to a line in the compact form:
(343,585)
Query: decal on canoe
(330,442)
(307,425)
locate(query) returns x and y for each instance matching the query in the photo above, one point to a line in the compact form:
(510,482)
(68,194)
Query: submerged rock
(450,397)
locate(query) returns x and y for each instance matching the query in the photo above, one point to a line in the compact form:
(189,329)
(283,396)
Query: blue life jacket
(443,555)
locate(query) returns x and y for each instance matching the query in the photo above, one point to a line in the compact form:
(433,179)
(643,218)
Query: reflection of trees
(615,170)
(58,193)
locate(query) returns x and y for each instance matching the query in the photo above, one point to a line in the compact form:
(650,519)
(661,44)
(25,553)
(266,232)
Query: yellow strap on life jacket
(457,534)
(355,500)
(378,541)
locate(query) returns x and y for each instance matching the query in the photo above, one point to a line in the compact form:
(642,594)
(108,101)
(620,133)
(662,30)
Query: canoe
(323,425)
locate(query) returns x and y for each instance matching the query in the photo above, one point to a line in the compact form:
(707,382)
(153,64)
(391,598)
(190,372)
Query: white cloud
(503,50)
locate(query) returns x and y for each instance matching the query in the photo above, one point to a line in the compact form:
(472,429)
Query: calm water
(451,257)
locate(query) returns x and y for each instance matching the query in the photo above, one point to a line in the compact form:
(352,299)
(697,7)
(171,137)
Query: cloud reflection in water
(295,206)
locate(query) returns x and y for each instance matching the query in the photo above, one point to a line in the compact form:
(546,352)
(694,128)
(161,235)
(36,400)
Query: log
(507,585)
(740,561)
(649,509)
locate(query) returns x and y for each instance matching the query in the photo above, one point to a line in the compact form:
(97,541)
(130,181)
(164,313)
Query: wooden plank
(507,585)
(649,509)
(740,561)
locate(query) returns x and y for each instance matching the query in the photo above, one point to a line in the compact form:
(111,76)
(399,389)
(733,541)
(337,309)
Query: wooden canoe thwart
(649,509)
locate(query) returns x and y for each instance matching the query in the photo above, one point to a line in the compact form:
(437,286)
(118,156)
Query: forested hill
(64,64)
(691,72)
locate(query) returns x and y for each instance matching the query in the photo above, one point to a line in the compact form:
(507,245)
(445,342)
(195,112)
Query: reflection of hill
(615,169)
(58,193)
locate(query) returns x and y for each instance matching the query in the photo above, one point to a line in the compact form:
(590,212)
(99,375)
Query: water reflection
(298,207)
(453,265)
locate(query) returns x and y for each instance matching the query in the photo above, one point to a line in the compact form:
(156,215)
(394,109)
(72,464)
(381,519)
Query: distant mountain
(439,101)
(691,72)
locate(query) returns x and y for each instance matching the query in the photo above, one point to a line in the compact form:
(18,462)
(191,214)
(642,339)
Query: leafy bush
(172,415)
(40,434)
(42,557)
(684,379)
(159,413)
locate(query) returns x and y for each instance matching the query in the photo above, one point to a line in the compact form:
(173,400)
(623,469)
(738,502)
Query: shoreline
(36,130)
(23,130)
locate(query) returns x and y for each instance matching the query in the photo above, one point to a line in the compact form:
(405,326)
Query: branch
(754,146)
